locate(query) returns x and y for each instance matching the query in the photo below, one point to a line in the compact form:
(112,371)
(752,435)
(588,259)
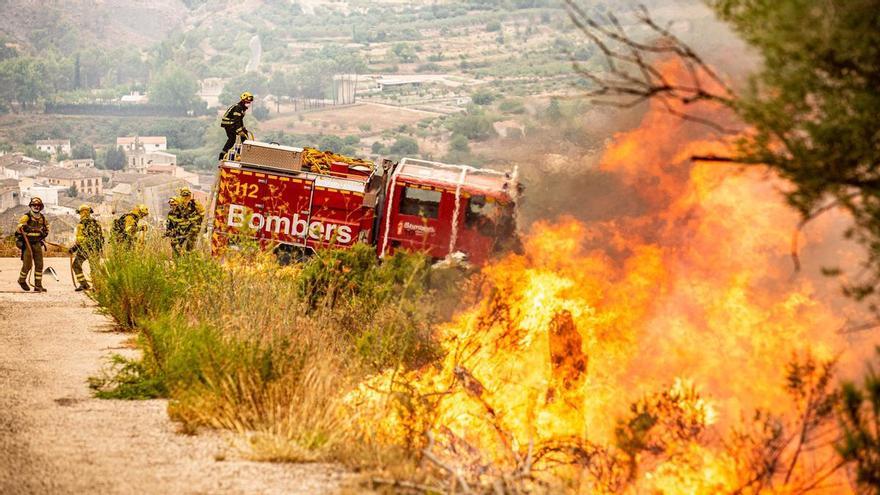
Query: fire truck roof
(473,180)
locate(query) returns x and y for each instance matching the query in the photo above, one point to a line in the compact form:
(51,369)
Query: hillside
(83,24)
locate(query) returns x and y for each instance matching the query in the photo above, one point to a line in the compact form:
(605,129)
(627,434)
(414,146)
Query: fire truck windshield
(420,202)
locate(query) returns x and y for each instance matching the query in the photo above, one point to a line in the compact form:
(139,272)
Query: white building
(135,98)
(146,143)
(140,161)
(79,163)
(47,193)
(210,89)
(54,146)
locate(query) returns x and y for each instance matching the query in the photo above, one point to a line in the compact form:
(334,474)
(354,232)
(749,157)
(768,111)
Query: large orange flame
(696,295)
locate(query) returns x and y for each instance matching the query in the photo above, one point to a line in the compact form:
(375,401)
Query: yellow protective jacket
(184,219)
(89,236)
(34,226)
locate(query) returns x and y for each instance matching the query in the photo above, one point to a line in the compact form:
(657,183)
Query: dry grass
(265,351)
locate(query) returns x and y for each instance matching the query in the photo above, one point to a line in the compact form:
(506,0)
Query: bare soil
(56,438)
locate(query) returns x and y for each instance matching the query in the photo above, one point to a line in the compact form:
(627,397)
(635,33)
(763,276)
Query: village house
(146,143)
(174,171)
(154,191)
(128,189)
(210,89)
(86,181)
(120,187)
(9,193)
(54,146)
(139,161)
(30,188)
(101,209)
(18,166)
(79,163)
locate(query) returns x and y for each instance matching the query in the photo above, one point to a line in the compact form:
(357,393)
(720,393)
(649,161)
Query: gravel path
(56,438)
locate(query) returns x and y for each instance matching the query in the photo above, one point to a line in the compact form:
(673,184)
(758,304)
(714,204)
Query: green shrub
(512,106)
(132,284)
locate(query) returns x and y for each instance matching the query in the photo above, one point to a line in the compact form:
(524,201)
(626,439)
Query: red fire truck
(303,199)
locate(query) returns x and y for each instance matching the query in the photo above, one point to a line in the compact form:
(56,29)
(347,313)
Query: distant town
(150,176)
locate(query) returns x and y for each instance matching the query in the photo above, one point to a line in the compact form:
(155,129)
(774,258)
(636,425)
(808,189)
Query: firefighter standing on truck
(184,221)
(89,244)
(126,228)
(233,122)
(32,231)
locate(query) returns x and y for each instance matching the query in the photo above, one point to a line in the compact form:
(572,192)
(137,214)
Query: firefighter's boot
(83,286)
(39,288)
(24,286)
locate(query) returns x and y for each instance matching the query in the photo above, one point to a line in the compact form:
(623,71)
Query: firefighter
(126,227)
(89,244)
(29,237)
(184,220)
(233,122)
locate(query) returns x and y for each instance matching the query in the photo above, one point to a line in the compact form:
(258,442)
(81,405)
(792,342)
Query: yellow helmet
(184,191)
(172,201)
(35,201)
(141,210)
(247,96)
(85,207)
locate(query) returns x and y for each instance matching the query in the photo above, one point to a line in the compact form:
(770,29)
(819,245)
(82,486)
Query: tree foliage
(404,146)
(83,151)
(459,143)
(404,52)
(23,80)
(253,82)
(473,125)
(114,158)
(174,87)
(483,97)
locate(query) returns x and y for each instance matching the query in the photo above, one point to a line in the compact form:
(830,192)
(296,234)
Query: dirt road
(56,438)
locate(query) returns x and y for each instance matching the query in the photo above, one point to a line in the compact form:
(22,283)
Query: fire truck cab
(281,198)
(440,209)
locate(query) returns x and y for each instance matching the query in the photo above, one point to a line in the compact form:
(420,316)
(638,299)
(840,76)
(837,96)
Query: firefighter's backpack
(119,226)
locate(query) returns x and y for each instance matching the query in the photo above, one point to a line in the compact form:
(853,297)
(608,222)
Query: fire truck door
(421,218)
